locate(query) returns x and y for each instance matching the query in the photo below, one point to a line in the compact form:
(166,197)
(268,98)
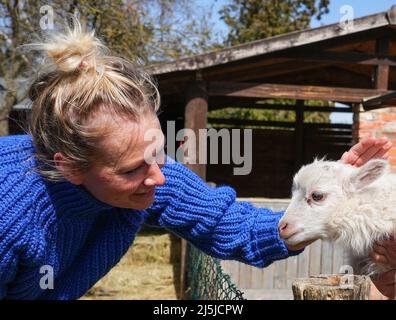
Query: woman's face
(125,179)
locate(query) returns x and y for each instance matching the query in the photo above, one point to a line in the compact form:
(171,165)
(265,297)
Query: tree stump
(332,287)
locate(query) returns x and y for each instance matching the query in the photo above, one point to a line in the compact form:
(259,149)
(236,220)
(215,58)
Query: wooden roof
(277,43)
(332,56)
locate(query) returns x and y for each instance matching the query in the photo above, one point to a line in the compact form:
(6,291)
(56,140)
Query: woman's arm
(8,262)
(213,221)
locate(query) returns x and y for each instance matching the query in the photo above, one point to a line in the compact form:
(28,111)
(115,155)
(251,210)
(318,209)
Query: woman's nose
(156,177)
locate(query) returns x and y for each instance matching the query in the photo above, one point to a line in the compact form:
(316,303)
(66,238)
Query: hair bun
(73,50)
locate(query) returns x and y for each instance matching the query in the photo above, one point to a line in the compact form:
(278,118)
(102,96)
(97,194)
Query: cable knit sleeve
(213,221)
(8,266)
(11,238)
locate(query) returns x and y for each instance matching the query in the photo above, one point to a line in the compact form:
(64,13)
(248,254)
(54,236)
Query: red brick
(371,125)
(388,117)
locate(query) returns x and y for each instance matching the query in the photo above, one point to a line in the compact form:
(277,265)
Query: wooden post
(196,112)
(332,287)
(355,123)
(382,69)
(299,134)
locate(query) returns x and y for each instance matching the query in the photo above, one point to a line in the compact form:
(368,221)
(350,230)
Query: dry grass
(149,270)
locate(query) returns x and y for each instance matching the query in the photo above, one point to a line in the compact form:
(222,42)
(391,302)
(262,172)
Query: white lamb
(338,201)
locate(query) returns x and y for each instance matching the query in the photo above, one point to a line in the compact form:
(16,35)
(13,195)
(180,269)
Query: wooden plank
(288,67)
(380,101)
(268,277)
(281,91)
(257,279)
(303,263)
(215,104)
(232,269)
(245,275)
(280,274)
(344,57)
(327,257)
(338,256)
(315,253)
(291,270)
(285,124)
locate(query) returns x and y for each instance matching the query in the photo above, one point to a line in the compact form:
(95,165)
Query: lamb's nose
(282,229)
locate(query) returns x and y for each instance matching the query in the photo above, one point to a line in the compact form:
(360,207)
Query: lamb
(338,201)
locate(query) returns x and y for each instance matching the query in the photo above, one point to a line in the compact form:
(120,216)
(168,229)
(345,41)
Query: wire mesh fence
(207,280)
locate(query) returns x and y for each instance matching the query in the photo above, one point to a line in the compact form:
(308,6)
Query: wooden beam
(195,118)
(279,91)
(382,70)
(285,124)
(260,106)
(299,135)
(344,57)
(250,74)
(253,103)
(355,123)
(380,101)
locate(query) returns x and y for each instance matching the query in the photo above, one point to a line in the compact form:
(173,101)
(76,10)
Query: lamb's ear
(368,173)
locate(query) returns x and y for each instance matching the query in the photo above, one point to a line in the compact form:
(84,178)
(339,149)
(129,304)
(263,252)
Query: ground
(148,271)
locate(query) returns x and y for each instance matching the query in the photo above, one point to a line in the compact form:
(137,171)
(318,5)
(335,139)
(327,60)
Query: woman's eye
(133,170)
(317,196)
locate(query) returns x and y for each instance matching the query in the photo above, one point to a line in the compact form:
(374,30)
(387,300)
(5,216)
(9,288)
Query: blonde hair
(79,82)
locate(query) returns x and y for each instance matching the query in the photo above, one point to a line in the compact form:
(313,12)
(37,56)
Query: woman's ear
(65,167)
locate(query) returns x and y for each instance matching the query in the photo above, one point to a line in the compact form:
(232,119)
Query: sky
(357,8)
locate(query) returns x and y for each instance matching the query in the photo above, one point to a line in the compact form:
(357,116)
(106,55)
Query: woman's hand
(365,150)
(386,283)
(385,252)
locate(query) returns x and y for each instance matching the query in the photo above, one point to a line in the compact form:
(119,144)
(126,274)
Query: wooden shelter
(345,63)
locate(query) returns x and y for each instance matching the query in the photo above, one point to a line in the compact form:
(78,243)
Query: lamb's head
(320,191)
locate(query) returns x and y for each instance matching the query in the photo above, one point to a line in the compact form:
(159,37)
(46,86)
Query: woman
(76,189)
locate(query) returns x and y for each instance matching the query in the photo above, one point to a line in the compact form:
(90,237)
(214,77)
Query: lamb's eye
(317,196)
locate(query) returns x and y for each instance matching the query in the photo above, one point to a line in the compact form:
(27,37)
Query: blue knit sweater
(61,228)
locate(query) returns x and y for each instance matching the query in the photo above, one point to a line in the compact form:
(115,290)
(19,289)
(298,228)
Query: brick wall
(379,123)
